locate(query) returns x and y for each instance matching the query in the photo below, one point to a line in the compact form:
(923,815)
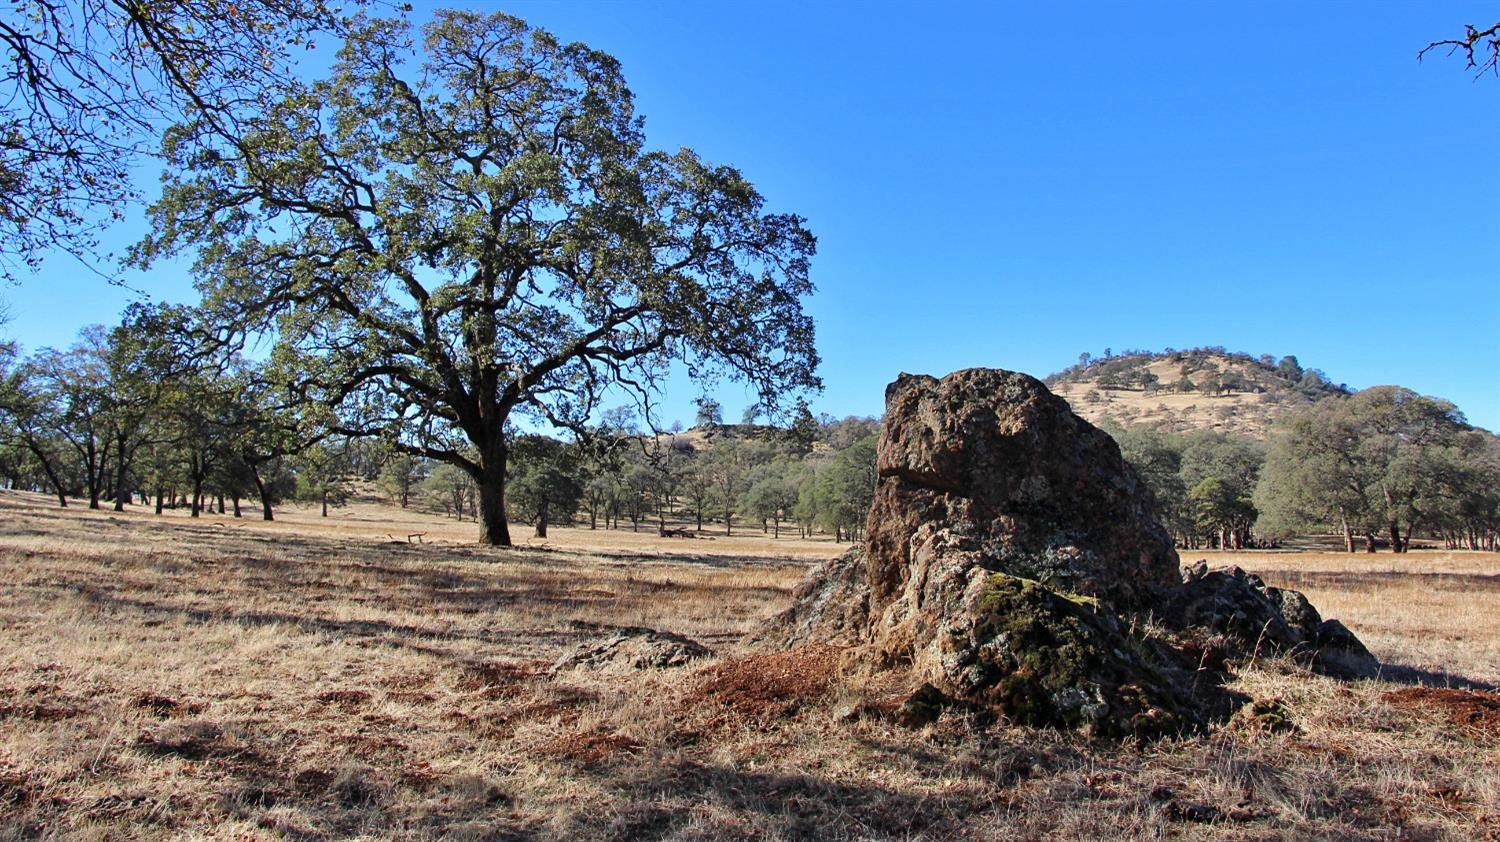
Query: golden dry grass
(161,678)
(1429,610)
(1242,413)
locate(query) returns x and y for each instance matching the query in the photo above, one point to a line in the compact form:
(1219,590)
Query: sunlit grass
(312,679)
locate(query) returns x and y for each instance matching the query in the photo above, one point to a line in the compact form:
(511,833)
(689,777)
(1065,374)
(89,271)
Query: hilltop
(1200,388)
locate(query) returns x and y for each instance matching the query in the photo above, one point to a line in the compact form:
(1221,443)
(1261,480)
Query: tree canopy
(436,249)
(1363,464)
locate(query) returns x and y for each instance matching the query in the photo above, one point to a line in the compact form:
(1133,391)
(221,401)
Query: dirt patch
(588,747)
(40,712)
(765,686)
(1469,710)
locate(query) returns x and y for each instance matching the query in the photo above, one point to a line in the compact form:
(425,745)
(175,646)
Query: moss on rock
(1048,658)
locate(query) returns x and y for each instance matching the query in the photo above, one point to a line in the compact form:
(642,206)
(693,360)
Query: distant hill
(1201,388)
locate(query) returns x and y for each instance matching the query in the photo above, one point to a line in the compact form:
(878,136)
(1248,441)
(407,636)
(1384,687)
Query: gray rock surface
(633,648)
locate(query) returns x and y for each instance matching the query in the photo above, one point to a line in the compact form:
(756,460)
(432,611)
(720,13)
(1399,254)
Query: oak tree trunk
(493,527)
(264,493)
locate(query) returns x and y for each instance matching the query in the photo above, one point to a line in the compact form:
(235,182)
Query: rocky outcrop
(1011,563)
(1251,619)
(832,605)
(633,648)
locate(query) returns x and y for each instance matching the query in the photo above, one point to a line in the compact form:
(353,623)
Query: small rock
(1266,716)
(633,648)
(1341,653)
(922,707)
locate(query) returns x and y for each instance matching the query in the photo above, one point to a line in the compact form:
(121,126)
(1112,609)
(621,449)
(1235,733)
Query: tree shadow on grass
(377,631)
(719,801)
(1417,677)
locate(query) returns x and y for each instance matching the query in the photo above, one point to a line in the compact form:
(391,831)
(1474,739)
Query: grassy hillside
(1202,388)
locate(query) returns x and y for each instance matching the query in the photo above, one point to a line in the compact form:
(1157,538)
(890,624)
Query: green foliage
(1382,460)
(323,476)
(1157,459)
(437,248)
(400,475)
(771,491)
(88,82)
(450,490)
(543,487)
(803,430)
(709,413)
(845,488)
(1202,482)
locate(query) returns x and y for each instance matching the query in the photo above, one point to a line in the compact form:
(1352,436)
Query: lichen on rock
(1049,658)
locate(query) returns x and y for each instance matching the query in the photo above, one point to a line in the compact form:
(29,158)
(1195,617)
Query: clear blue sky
(1008,184)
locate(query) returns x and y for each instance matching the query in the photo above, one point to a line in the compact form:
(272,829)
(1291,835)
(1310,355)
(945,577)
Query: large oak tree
(438,248)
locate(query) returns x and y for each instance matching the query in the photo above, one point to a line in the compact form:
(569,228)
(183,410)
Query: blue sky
(1010,185)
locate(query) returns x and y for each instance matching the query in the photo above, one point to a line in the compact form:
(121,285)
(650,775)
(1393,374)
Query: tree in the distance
(544,488)
(323,476)
(1357,463)
(441,250)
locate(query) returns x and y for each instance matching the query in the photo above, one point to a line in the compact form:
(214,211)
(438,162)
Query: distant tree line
(147,409)
(154,412)
(1381,465)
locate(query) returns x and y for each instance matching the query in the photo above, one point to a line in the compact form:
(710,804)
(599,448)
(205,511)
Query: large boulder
(1011,561)
(991,462)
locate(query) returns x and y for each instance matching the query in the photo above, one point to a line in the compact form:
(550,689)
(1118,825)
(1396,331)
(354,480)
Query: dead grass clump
(355,786)
(345,698)
(1468,710)
(195,740)
(166,706)
(40,703)
(764,686)
(15,787)
(39,711)
(498,680)
(406,681)
(1264,716)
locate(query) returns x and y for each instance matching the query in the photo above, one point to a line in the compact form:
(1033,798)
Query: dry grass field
(313,679)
